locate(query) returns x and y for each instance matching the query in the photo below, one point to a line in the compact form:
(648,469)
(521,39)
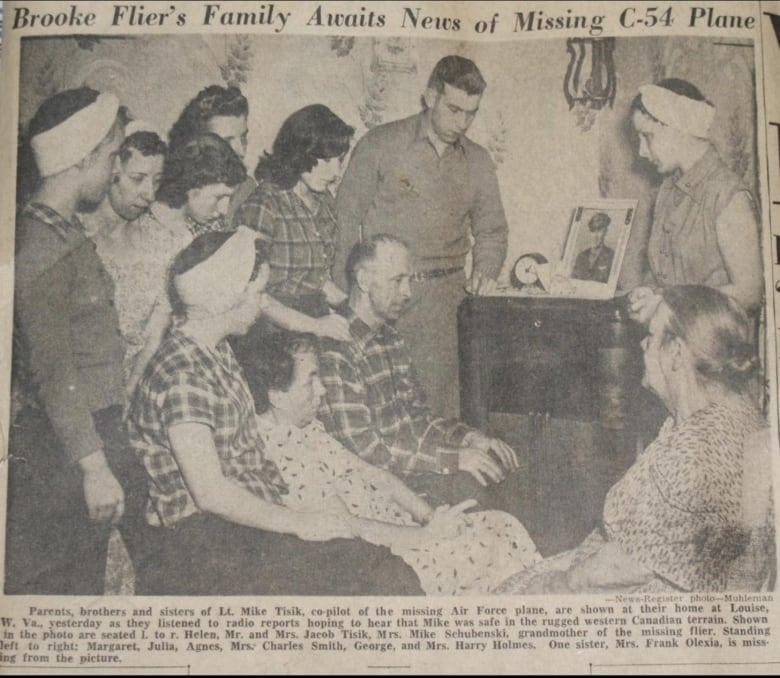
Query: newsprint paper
(625,523)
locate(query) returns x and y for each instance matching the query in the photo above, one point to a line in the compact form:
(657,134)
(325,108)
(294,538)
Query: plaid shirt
(302,241)
(374,406)
(188,383)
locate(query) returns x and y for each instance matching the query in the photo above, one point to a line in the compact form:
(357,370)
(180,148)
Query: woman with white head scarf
(214,499)
(66,321)
(705,229)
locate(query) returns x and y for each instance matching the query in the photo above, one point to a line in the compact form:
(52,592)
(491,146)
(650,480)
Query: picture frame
(595,247)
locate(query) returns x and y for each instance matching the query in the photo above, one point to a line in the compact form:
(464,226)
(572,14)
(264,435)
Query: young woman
(704,230)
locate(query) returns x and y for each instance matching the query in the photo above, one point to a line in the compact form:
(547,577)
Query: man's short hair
(145,142)
(599,222)
(365,251)
(458,72)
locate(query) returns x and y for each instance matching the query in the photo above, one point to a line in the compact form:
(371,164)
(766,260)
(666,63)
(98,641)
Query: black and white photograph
(597,243)
(262,344)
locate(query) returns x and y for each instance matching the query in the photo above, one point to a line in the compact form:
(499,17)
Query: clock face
(525,271)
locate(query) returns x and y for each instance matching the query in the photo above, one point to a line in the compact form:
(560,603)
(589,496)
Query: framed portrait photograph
(595,247)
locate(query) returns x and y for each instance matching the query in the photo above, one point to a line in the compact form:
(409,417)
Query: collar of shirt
(64,228)
(317,199)
(424,132)
(692,181)
(362,333)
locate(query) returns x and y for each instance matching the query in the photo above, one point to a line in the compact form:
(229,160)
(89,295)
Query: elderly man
(421,179)
(63,488)
(373,404)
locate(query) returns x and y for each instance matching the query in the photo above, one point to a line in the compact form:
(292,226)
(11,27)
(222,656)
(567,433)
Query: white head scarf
(142,126)
(678,111)
(216,284)
(75,138)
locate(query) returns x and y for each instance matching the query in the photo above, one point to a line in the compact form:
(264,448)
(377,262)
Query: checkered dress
(189,383)
(302,241)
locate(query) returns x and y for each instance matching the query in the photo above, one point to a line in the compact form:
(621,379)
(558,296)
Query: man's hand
(479,464)
(506,454)
(480,285)
(642,302)
(102,492)
(334,326)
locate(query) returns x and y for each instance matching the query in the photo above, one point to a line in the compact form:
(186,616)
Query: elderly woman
(214,498)
(673,522)
(452,553)
(292,210)
(704,228)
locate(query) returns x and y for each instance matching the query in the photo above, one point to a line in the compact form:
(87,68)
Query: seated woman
(215,501)
(292,209)
(451,552)
(673,522)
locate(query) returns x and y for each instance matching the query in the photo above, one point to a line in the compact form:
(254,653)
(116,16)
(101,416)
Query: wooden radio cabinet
(558,379)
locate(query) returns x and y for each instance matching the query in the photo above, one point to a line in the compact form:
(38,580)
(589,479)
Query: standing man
(64,491)
(422,180)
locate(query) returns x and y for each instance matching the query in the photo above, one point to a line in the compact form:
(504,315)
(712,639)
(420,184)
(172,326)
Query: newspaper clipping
(389,338)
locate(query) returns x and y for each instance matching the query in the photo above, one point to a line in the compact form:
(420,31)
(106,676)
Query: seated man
(373,404)
(452,553)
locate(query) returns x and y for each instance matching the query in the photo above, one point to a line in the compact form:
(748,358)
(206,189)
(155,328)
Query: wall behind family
(549,158)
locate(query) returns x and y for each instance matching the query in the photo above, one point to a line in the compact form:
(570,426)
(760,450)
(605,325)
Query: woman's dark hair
(60,107)
(55,110)
(675,85)
(146,143)
(310,134)
(203,160)
(716,331)
(272,366)
(198,251)
(210,102)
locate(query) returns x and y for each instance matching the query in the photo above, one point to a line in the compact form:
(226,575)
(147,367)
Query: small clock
(525,273)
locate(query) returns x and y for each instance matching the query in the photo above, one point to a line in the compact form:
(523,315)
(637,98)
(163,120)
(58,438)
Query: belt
(422,276)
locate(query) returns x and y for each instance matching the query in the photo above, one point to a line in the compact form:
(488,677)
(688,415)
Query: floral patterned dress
(678,509)
(315,466)
(140,272)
